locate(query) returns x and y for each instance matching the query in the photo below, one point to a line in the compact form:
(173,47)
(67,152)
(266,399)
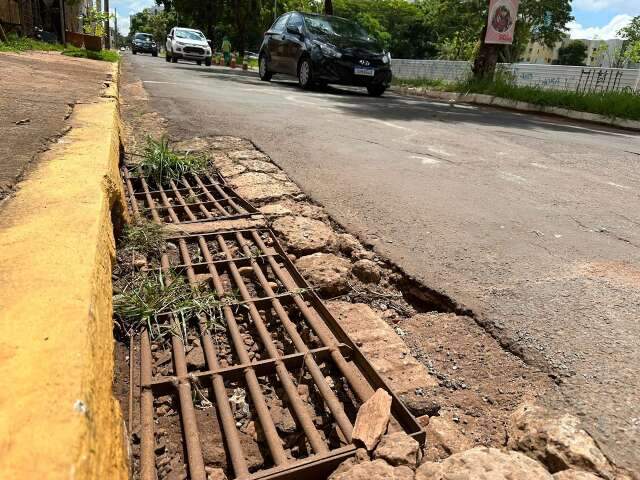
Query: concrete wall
(560,77)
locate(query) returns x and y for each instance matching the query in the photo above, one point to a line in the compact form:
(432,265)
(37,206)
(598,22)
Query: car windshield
(189,35)
(335,26)
(144,36)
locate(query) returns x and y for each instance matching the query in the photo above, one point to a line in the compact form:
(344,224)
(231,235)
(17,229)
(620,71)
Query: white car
(188,44)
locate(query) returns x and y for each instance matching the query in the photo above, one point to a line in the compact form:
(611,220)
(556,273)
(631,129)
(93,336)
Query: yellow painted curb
(58,417)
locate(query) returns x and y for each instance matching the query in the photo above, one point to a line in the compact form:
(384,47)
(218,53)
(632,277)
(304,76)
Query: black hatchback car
(322,49)
(144,43)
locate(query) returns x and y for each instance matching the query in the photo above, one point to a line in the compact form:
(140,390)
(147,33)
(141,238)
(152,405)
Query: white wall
(560,77)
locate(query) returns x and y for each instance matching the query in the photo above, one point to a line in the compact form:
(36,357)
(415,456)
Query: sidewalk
(38,91)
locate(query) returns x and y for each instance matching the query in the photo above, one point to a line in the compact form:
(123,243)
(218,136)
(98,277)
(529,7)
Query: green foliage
(573,53)
(23,44)
(148,297)
(162,163)
(143,237)
(102,55)
(633,52)
(93,22)
(158,24)
(610,104)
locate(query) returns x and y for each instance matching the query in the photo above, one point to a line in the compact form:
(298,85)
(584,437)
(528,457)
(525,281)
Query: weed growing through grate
(148,297)
(143,237)
(163,164)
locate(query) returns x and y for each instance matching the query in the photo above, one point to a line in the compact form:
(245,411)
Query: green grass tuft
(143,237)
(148,297)
(610,104)
(102,55)
(162,163)
(24,44)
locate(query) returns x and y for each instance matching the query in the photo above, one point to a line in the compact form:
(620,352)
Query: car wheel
(167,57)
(207,62)
(134,52)
(174,59)
(263,67)
(376,90)
(305,76)
(199,62)
(154,54)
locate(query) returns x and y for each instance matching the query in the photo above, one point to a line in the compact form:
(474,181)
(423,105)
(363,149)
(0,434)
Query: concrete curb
(59,418)
(480,99)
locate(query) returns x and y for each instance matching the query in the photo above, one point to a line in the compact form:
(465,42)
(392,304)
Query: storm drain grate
(192,198)
(282,381)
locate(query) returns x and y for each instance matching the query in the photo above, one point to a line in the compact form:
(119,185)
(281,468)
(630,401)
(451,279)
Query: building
(600,53)
(24,16)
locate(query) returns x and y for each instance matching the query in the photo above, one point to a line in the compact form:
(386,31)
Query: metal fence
(553,77)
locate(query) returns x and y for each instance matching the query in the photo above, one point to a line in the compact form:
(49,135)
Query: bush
(610,104)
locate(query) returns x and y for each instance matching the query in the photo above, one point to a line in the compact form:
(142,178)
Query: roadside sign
(501,21)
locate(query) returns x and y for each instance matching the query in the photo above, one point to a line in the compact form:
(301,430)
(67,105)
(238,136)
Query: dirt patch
(38,91)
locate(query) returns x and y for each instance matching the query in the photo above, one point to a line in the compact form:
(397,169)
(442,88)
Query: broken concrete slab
(398,449)
(484,463)
(304,235)
(382,346)
(375,470)
(372,419)
(444,438)
(326,271)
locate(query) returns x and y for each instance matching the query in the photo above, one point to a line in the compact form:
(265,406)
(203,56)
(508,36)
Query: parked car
(144,43)
(322,49)
(188,44)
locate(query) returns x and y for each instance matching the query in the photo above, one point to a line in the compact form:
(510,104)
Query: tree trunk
(328,7)
(484,65)
(107,39)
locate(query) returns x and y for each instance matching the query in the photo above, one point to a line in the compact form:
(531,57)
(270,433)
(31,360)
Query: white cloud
(606,32)
(126,8)
(598,5)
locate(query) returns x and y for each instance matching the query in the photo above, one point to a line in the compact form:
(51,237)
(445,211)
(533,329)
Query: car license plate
(368,72)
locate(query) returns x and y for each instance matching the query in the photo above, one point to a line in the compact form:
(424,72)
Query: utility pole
(63,36)
(275,10)
(115,27)
(107,41)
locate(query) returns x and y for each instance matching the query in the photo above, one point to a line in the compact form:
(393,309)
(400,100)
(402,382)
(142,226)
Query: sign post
(501,21)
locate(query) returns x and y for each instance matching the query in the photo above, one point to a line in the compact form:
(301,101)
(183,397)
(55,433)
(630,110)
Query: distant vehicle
(322,49)
(188,44)
(144,43)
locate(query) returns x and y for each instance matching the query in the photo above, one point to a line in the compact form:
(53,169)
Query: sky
(593,18)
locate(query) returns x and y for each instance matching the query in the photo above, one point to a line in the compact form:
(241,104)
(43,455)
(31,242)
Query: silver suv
(188,44)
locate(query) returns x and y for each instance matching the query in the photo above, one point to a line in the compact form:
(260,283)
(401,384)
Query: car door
(293,44)
(275,43)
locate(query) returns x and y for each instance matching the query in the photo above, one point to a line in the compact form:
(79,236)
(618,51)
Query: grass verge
(610,104)
(102,55)
(24,44)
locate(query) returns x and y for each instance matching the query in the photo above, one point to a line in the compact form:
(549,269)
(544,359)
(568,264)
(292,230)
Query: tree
(573,53)
(328,7)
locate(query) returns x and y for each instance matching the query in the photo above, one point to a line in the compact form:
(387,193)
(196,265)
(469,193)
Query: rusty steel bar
(237,207)
(303,416)
(130,398)
(147,438)
(203,209)
(191,434)
(264,417)
(168,207)
(211,197)
(150,201)
(132,195)
(182,202)
(335,406)
(362,389)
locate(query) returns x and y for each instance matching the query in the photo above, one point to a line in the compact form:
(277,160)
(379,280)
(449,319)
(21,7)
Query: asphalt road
(531,222)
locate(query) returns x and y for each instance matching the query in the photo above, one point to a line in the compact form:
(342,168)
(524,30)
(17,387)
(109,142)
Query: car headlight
(386,58)
(153,44)
(180,43)
(329,50)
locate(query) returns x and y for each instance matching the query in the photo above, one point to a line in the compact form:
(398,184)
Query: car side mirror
(209,42)
(294,29)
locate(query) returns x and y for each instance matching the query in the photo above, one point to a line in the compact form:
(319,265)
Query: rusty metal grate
(192,198)
(270,341)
